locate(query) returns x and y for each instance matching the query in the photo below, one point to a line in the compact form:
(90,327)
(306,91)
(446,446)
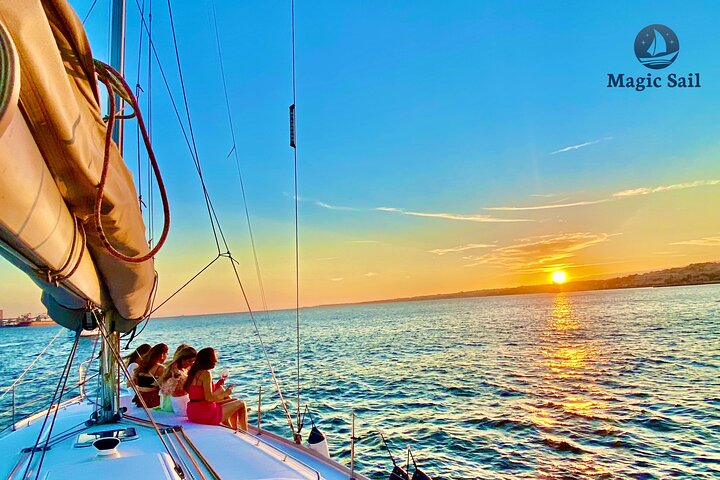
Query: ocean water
(606,384)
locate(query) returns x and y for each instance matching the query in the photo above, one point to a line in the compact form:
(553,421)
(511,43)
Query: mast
(108,364)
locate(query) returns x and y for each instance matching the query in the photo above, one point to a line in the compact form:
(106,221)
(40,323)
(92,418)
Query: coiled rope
(115,84)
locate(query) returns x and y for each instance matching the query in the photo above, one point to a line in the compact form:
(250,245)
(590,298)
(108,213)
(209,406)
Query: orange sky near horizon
(635,233)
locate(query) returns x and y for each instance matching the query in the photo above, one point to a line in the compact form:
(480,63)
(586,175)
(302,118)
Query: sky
(442,147)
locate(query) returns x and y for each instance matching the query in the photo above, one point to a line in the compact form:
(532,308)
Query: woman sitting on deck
(210,403)
(172,381)
(146,375)
(133,360)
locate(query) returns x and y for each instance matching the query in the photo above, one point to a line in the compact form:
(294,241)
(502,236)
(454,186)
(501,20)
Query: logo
(656,46)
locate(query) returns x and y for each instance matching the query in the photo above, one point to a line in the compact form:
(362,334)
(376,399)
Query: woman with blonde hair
(146,375)
(174,398)
(211,403)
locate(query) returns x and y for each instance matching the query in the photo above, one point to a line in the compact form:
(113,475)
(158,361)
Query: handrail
(13,412)
(31,364)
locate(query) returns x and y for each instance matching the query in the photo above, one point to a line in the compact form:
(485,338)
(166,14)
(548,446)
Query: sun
(559,277)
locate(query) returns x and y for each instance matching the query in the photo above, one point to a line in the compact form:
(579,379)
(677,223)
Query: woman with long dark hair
(133,360)
(211,403)
(146,375)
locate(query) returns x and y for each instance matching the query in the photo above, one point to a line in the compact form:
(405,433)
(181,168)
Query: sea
(602,384)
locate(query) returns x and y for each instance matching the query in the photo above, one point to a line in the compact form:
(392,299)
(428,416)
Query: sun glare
(559,277)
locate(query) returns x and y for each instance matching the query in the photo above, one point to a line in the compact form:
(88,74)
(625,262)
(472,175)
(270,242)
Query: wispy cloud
(362,241)
(701,242)
(549,206)
(335,207)
(453,216)
(664,188)
(320,203)
(370,274)
(578,146)
(540,251)
(615,196)
(326,259)
(337,279)
(461,248)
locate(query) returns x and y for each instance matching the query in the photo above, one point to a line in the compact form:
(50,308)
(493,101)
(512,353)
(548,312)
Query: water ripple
(597,385)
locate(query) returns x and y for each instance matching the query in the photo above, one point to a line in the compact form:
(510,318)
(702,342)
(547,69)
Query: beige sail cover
(60,103)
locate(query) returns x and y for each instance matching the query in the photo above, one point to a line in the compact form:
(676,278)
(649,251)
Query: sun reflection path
(569,358)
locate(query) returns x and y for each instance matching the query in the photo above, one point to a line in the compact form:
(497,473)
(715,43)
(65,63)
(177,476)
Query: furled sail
(52,140)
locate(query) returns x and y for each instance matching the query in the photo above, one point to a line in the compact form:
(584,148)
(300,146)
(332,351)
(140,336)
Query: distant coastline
(694,274)
(27,320)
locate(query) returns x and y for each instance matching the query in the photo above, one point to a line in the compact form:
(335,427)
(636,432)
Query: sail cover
(52,139)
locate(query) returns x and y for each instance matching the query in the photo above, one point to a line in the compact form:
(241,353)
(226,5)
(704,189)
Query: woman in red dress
(211,403)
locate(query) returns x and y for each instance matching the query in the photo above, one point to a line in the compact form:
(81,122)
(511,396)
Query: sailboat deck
(224,453)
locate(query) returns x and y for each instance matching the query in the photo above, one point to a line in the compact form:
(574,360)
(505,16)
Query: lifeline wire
(297,242)
(39,355)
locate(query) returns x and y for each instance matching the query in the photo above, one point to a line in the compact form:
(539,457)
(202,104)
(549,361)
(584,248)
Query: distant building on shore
(26,320)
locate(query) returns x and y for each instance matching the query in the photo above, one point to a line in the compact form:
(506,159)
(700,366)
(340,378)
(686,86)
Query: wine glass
(224,374)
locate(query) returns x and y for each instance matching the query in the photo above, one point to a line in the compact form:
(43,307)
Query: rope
(184,285)
(297,241)
(62,381)
(39,355)
(237,160)
(194,151)
(114,83)
(386,448)
(87,15)
(139,89)
(56,276)
(151,192)
(296,435)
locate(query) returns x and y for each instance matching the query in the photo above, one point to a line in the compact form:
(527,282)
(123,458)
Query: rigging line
(149,110)
(208,200)
(184,285)
(296,435)
(180,122)
(39,355)
(138,89)
(193,148)
(190,128)
(57,408)
(89,12)
(237,158)
(66,371)
(297,242)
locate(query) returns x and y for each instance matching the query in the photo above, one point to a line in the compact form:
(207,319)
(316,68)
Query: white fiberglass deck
(227,454)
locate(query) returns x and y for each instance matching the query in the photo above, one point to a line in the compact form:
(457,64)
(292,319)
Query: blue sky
(429,107)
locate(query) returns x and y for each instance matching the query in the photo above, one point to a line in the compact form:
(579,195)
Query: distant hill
(695,274)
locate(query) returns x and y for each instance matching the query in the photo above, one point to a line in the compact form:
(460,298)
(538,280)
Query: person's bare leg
(229,409)
(243,417)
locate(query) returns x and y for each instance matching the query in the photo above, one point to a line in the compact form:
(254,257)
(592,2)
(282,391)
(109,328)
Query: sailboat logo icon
(656,46)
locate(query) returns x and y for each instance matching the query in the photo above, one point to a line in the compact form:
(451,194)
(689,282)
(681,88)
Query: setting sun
(559,277)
